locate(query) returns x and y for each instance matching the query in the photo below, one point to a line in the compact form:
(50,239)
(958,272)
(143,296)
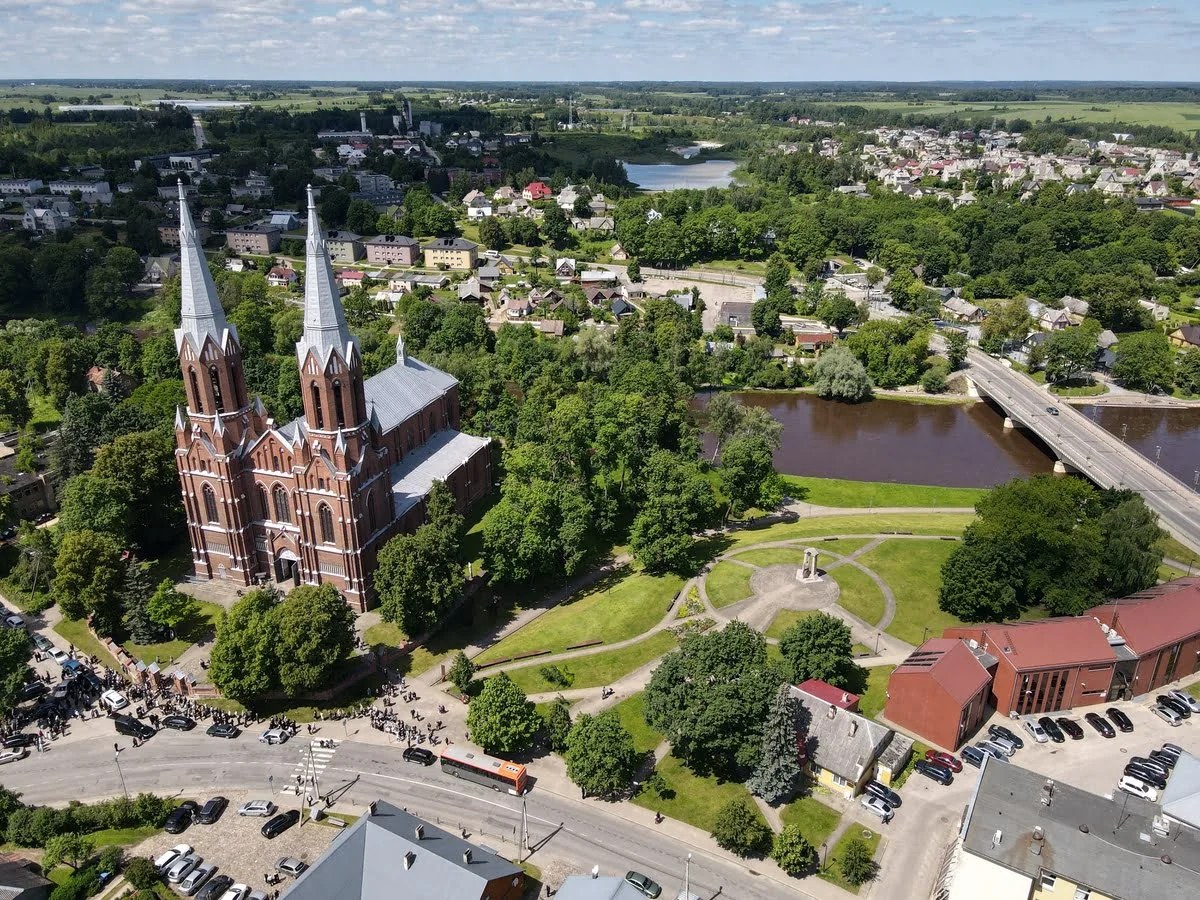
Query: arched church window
(337,404)
(215,377)
(283,511)
(371,512)
(197,401)
(326,516)
(210,505)
(317,410)
(263,504)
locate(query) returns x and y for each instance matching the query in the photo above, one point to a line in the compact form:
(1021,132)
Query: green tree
(135,601)
(361,217)
(722,415)
(977,583)
(1131,551)
(838,375)
(601,758)
(170,607)
(501,719)
(143,463)
(777,278)
(1187,372)
(679,500)
(72,849)
(837,311)
(92,503)
(29,449)
(792,851)
(14,668)
(491,234)
(462,670)
(141,873)
(1145,362)
(741,830)
(1009,322)
(779,774)
(956,349)
(857,865)
(633,271)
(244,661)
(313,632)
(934,380)
(14,405)
(1071,352)
(88,580)
(748,474)
(558,724)
(821,647)
(555,227)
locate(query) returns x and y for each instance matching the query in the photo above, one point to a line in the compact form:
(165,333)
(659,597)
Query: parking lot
(237,847)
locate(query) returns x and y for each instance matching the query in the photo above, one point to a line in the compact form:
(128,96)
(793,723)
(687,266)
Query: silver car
(1186,699)
(182,867)
(1035,730)
(164,861)
(289,865)
(196,880)
(262,808)
(877,807)
(1168,715)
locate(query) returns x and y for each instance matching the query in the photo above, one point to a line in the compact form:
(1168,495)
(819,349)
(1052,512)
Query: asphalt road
(1085,446)
(194,764)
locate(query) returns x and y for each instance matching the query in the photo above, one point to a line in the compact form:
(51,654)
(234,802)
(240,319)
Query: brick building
(310,501)
(941,691)
(1161,625)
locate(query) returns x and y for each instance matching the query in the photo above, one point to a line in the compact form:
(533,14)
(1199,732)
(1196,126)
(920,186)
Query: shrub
(110,859)
(556,675)
(856,863)
(741,830)
(81,885)
(792,851)
(141,873)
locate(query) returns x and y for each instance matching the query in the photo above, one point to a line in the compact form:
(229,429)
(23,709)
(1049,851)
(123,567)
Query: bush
(856,863)
(934,380)
(81,885)
(556,675)
(141,873)
(110,859)
(741,830)
(792,851)
(34,826)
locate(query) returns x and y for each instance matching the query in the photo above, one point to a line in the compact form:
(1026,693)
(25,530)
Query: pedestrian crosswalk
(306,775)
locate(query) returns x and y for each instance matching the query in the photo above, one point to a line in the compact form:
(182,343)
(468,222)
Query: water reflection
(1176,431)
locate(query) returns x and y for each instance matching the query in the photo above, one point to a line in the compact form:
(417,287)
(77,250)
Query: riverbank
(905,396)
(841,492)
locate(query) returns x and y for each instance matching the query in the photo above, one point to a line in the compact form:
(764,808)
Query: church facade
(310,501)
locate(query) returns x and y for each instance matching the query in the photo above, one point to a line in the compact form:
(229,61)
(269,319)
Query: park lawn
(123,837)
(597,669)
(1173,549)
(43,415)
(728,583)
(616,608)
(905,523)
(859,594)
(785,619)
(75,631)
(841,492)
(816,820)
(872,701)
(1170,573)
(387,634)
(438,649)
(912,569)
(773,556)
(832,871)
(203,627)
(843,547)
(631,712)
(693,798)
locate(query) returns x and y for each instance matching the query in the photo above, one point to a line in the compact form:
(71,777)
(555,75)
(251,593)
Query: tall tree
(92,503)
(14,665)
(741,830)
(956,349)
(558,724)
(89,578)
(135,600)
(1072,352)
(143,463)
(748,474)
(821,647)
(779,773)
(244,661)
(501,719)
(679,501)
(314,631)
(462,670)
(1145,362)
(792,851)
(601,758)
(839,376)
(171,608)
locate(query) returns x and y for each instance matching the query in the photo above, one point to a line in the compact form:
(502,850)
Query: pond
(669,176)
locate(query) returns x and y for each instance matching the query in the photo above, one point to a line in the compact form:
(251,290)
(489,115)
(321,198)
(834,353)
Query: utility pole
(687,878)
(117,759)
(524,848)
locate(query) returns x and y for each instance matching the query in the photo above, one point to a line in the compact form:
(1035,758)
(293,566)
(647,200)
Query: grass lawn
(912,569)
(599,669)
(691,798)
(816,820)
(728,583)
(203,627)
(785,619)
(773,556)
(843,547)
(907,523)
(43,415)
(860,595)
(630,712)
(1179,552)
(121,836)
(385,633)
(616,608)
(832,871)
(871,702)
(840,492)
(918,752)
(76,632)
(1169,573)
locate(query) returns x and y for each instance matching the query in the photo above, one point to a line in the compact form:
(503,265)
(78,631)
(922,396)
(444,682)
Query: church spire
(201,315)
(324,320)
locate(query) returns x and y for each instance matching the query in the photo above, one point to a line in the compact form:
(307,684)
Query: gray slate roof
(325,329)
(841,741)
(609,887)
(435,460)
(403,389)
(200,313)
(367,862)
(1181,799)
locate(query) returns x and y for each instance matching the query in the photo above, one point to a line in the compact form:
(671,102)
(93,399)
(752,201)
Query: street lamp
(1196,480)
(824,855)
(687,878)
(878,635)
(1158,455)
(117,759)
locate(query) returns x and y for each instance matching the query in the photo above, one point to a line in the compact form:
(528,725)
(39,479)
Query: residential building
(1026,837)
(284,220)
(941,691)
(89,191)
(282,276)
(310,501)
(392,249)
(19,880)
(1046,318)
(1158,312)
(390,853)
(564,268)
(1185,337)
(597,887)
(1161,625)
(536,190)
(15,187)
(961,310)
(826,692)
(344,246)
(844,750)
(31,493)
(45,221)
(404,283)
(479,208)
(100,378)
(161,268)
(474,291)
(452,253)
(256,240)
(371,183)
(168,234)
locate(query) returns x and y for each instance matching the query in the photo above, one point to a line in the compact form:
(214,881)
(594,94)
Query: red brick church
(310,501)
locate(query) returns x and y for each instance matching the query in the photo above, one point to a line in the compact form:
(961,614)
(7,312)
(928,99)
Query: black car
(1171,703)
(940,774)
(1070,728)
(1152,778)
(215,888)
(1052,731)
(973,756)
(131,727)
(1151,765)
(1100,724)
(211,810)
(32,691)
(1164,759)
(20,739)
(223,730)
(179,723)
(419,755)
(884,793)
(181,817)
(1119,719)
(1001,731)
(279,824)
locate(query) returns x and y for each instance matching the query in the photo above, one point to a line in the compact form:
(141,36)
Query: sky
(595,40)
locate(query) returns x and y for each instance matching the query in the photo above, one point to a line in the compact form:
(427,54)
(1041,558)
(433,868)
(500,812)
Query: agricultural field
(1183,116)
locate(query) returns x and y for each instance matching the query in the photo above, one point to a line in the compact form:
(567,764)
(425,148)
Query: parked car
(179,723)
(212,889)
(131,727)
(1151,765)
(164,860)
(280,824)
(996,731)
(274,736)
(1168,715)
(289,865)
(59,656)
(1036,731)
(884,793)
(1099,723)
(1138,788)
(945,760)
(211,810)
(13,754)
(877,807)
(182,867)
(181,817)
(257,895)
(973,756)
(1070,728)
(937,773)
(1119,719)
(1171,703)
(223,730)
(1004,744)
(644,884)
(20,739)
(419,755)
(1141,773)
(236,892)
(993,750)
(14,621)
(32,691)
(198,880)
(1186,699)
(1052,730)
(1164,759)
(1173,750)
(257,808)
(42,643)
(113,700)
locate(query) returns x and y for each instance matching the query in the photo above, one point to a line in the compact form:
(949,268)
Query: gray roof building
(390,853)
(843,742)
(18,881)
(609,887)
(1181,799)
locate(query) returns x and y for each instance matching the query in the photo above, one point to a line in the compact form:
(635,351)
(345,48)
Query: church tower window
(337,403)
(317,410)
(210,505)
(196,399)
(215,377)
(326,516)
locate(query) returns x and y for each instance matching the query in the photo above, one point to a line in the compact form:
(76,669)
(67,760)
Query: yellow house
(1185,337)
(451,253)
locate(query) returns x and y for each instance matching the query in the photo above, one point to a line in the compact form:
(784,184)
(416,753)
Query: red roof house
(834,696)
(536,190)
(940,692)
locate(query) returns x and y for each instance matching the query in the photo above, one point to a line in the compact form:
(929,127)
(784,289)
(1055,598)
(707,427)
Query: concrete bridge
(1083,446)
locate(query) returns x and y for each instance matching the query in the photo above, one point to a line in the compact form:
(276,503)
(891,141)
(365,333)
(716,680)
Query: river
(1172,436)
(669,176)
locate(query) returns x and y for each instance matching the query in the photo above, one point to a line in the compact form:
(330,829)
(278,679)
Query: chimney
(1048,791)
(832,711)
(409,859)
(467,856)
(845,697)
(420,832)
(1035,845)
(371,809)
(853,727)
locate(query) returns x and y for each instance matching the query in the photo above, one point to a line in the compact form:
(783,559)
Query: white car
(1186,699)
(261,808)
(14,621)
(163,862)
(1035,730)
(1138,788)
(274,736)
(59,656)
(877,807)
(196,879)
(237,892)
(113,700)
(1167,715)
(182,867)
(7,756)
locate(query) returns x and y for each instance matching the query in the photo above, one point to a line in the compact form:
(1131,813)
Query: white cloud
(767,30)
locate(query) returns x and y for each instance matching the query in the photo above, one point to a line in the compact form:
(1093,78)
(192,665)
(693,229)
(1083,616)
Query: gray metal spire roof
(324,320)
(201,314)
